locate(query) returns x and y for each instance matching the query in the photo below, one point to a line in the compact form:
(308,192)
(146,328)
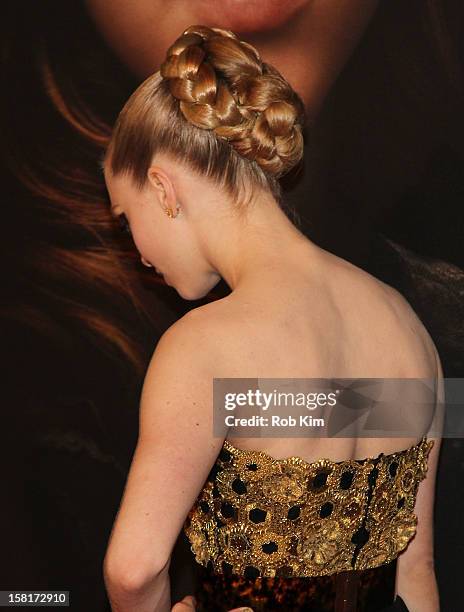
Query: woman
(193,168)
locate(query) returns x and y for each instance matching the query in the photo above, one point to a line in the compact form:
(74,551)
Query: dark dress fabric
(222,592)
(235,563)
(397,606)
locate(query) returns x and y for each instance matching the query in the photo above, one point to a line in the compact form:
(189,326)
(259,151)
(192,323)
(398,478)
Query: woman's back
(323,318)
(303,512)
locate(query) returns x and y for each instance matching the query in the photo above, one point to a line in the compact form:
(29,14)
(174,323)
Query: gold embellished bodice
(260,516)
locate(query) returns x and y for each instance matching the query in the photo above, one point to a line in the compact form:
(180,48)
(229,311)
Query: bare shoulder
(382,321)
(409,336)
(197,338)
(192,333)
(394,328)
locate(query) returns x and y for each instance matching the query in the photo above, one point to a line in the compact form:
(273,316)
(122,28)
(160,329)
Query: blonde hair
(218,108)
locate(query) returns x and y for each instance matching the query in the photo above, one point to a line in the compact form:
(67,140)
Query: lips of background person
(308,41)
(125,24)
(140,31)
(246,16)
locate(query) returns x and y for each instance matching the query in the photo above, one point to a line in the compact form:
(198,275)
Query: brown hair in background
(64,264)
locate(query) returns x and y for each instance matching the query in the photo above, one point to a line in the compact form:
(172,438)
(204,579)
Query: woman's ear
(163,188)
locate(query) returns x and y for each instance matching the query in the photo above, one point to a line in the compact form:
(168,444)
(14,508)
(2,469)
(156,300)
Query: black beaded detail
(225,455)
(257,515)
(320,480)
(346,480)
(294,513)
(326,510)
(239,486)
(251,573)
(269,548)
(227,510)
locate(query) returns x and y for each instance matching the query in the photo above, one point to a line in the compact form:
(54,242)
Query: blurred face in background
(308,41)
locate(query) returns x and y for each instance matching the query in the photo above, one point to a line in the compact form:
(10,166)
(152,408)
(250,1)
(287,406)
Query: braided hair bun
(223,85)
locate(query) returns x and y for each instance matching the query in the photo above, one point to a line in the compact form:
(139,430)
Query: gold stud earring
(169,211)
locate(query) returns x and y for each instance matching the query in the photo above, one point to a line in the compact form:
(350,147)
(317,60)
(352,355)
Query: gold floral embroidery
(287,517)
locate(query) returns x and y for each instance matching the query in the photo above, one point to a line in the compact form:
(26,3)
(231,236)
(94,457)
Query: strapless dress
(285,534)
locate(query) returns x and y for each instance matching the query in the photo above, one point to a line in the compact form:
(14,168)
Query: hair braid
(223,85)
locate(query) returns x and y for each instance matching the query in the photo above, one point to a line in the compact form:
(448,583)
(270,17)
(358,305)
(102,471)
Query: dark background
(383,187)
